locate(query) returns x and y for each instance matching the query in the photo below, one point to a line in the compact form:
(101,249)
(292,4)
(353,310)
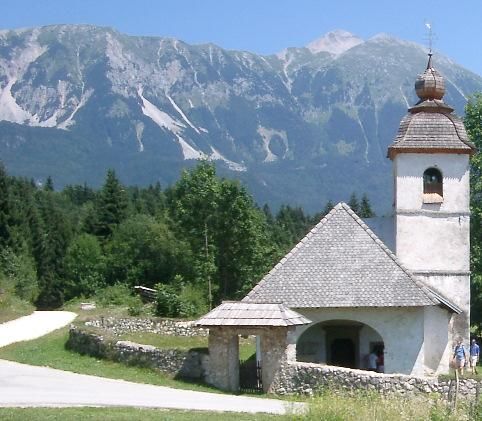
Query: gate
(250,376)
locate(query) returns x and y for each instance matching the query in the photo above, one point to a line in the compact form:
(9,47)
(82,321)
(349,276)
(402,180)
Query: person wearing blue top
(474,356)
(459,357)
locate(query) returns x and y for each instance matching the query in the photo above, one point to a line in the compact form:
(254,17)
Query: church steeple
(430,125)
(430,157)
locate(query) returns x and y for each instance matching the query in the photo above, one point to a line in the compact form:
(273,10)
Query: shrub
(114,295)
(168,303)
(135,306)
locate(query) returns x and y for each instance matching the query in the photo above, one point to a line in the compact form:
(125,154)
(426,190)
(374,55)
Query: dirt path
(37,324)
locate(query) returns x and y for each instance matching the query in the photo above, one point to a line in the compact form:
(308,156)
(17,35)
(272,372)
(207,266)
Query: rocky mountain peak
(334,42)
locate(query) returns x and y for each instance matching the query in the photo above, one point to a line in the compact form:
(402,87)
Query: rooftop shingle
(342,263)
(235,313)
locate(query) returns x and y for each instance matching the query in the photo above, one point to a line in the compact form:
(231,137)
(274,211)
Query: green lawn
(247,347)
(123,414)
(12,307)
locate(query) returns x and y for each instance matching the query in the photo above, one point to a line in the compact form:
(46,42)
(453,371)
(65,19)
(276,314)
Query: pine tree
(49,184)
(5,209)
(354,204)
(110,207)
(328,207)
(365,208)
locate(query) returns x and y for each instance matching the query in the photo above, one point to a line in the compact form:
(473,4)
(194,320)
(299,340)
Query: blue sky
(267,26)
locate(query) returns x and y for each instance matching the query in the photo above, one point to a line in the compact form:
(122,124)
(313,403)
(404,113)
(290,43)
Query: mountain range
(303,126)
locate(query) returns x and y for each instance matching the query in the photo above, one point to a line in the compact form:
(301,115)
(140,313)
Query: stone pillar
(274,347)
(223,371)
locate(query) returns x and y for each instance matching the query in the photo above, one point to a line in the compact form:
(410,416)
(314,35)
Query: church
(398,286)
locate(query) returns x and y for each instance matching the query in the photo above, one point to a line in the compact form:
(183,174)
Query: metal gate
(250,376)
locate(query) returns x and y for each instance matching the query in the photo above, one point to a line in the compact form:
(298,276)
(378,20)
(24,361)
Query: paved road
(37,324)
(25,385)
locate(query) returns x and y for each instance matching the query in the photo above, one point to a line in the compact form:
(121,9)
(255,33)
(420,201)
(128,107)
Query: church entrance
(343,353)
(342,343)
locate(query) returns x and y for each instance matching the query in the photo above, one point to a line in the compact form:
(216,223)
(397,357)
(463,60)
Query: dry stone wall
(185,364)
(308,378)
(160,326)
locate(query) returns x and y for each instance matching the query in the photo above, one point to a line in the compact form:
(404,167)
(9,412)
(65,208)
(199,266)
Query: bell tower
(430,157)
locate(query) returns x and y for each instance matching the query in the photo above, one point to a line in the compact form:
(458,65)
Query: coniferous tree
(111,206)
(328,207)
(365,208)
(5,209)
(49,184)
(354,203)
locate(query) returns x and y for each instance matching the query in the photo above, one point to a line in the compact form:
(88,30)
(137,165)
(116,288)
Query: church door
(343,353)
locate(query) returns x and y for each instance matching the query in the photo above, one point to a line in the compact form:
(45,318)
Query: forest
(198,242)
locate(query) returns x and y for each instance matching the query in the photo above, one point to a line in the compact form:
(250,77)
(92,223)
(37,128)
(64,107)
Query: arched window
(432,186)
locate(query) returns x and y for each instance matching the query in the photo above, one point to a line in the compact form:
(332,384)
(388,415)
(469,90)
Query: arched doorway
(343,343)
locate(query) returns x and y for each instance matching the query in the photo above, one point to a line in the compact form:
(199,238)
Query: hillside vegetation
(198,242)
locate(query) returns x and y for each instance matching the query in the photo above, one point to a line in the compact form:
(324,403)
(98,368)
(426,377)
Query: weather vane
(429,36)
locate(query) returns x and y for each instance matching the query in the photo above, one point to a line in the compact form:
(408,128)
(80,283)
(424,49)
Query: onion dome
(430,84)
(430,126)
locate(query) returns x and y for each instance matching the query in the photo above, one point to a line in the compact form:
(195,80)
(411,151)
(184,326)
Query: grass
(329,406)
(247,347)
(123,414)
(467,374)
(12,307)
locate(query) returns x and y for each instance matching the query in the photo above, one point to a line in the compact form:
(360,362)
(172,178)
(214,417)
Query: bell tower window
(432,186)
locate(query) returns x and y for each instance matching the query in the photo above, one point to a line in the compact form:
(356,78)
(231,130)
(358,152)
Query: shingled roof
(430,125)
(235,313)
(342,263)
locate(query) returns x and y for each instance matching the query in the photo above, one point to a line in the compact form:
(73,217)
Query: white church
(351,286)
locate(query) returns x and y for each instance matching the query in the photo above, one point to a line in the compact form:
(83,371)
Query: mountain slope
(303,126)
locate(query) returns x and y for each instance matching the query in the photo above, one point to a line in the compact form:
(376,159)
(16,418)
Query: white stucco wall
(438,343)
(408,171)
(402,331)
(433,243)
(433,240)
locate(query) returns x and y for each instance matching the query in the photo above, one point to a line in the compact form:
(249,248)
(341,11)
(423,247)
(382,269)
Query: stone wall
(160,326)
(185,364)
(308,378)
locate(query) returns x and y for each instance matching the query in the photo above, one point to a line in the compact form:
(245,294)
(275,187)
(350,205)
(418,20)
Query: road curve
(24,385)
(33,326)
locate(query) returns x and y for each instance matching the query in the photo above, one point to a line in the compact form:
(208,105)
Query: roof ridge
(392,255)
(297,247)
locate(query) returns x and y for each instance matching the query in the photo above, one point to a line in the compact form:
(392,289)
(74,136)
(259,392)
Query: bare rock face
(77,99)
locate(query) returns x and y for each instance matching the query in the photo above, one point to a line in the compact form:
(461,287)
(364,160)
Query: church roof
(430,125)
(342,263)
(235,313)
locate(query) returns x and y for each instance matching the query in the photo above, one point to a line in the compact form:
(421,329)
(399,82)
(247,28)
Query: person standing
(459,357)
(474,356)
(372,361)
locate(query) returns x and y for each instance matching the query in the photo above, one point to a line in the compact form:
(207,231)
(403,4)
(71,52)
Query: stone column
(274,354)
(223,371)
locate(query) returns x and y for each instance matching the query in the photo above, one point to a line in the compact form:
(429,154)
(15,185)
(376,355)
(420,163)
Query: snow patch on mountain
(234,166)
(159,117)
(267,134)
(14,69)
(178,109)
(335,42)
(165,121)
(139,131)
(188,151)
